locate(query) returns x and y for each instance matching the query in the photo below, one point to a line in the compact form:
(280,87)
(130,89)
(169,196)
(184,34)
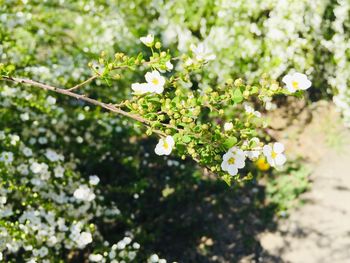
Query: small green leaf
(254,90)
(227,178)
(237,96)
(229,142)
(186,139)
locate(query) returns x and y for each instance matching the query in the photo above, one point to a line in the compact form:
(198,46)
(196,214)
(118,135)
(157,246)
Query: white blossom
(155,81)
(84,193)
(228,126)
(141,88)
(233,160)
(165,145)
(201,52)
(147,40)
(296,81)
(95,257)
(94,179)
(274,154)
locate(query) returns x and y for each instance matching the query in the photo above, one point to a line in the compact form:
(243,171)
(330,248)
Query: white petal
(149,76)
(224,165)
(300,77)
(280,159)
(287,79)
(240,164)
(278,147)
(267,150)
(305,84)
(170,141)
(159,150)
(271,161)
(157,89)
(232,170)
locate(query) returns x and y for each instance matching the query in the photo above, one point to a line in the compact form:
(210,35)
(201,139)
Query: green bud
(229,81)
(238,82)
(158,45)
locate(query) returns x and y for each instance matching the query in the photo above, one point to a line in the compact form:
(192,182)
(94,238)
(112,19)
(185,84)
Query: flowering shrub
(188,119)
(180,82)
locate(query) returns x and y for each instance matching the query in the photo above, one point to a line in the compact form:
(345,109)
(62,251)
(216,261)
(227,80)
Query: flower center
(231,160)
(273,155)
(165,144)
(155,81)
(295,84)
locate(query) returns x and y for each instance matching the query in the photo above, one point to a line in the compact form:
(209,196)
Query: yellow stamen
(231,160)
(155,81)
(295,84)
(273,155)
(165,144)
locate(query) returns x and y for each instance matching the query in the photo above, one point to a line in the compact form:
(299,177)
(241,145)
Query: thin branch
(67,92)
(83,83)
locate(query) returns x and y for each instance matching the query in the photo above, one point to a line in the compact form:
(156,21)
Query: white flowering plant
(178,95)
(188,120)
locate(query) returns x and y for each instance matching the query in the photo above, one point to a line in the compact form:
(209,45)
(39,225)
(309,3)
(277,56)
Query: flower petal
(278,147)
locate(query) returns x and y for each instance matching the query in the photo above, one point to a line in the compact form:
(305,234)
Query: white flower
(24,116)
(136,245)
(169,66)
(148,40)
(51,100)
(201,52)
(233,160)
(228,126)
(274,154)
(250,110)
(53,156)
(84,193)
(36,167)
(165,146)
(94,180)
(95,257)
(154,258)
(84,239)
(6,157)
(23,169)
(43,251)
(155,81)
(3,200)
(141,88)
(296,81)
(14,139)
(27,151)
(59,171)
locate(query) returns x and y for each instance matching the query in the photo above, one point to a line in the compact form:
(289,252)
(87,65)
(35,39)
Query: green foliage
(286,186)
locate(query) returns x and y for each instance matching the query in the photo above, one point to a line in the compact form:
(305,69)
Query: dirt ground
(319,230)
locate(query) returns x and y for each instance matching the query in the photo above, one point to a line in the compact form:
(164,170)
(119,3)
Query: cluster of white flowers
(235,158)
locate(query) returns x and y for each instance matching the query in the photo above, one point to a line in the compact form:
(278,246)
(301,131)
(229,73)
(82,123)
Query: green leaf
(237,96)
(254,90)
(228,143)
(227,178)
(186,139)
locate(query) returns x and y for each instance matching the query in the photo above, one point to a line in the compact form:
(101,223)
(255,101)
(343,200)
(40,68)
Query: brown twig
(67,92)
(83,83)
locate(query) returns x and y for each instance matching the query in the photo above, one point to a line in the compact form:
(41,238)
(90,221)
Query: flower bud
(158,45)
